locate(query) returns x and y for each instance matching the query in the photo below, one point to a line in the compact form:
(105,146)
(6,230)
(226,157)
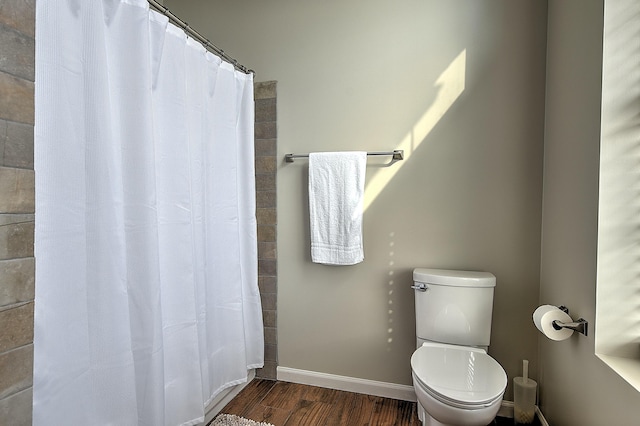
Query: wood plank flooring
(292,404)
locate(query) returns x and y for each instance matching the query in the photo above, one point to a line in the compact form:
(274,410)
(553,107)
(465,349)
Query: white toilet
(456,382)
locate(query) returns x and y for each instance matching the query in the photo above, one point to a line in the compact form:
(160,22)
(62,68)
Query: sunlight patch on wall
(617,333)
(449,85)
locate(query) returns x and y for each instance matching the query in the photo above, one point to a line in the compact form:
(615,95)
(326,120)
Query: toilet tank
(453,306)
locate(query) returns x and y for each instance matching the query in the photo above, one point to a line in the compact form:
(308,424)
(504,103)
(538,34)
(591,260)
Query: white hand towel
(336,193)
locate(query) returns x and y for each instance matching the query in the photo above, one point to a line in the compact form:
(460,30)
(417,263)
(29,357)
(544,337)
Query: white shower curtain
(147,302)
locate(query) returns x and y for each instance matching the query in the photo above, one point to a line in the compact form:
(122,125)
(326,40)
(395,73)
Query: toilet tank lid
(454,278)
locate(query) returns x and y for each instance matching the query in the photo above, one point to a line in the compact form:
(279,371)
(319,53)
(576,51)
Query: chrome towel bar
(396,155)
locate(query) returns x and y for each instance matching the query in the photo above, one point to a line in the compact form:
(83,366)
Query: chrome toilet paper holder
(580,325)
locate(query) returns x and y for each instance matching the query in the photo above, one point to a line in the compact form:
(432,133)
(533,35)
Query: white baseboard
(506,410)
(543,421)
(349,384)
(371,387)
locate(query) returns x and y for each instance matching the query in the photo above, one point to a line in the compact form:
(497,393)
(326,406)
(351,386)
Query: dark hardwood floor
(292,404)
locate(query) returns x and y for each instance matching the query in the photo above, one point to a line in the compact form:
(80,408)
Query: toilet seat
(460,377)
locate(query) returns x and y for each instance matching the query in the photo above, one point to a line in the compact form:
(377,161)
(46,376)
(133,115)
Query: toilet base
(426,419)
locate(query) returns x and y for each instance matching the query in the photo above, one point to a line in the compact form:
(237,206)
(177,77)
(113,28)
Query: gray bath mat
(231,420)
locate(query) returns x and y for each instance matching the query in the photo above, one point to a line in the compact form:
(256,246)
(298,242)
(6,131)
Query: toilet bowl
(456,385)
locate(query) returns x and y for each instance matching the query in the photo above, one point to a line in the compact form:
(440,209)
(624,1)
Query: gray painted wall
(390,75)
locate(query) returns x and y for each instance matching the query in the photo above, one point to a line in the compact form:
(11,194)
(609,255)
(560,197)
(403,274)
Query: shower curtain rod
(195,34)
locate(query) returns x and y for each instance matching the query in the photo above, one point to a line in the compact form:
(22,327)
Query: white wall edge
(349,384)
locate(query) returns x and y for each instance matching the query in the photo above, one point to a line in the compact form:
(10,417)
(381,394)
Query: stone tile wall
(17,208)
(266,145)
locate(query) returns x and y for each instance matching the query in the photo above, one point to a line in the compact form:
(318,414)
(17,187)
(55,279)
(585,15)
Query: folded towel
(336,193)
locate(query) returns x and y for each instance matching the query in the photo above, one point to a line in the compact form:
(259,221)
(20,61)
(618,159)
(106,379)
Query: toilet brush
(524,396)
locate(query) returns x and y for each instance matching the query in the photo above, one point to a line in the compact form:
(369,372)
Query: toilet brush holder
(524,400)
